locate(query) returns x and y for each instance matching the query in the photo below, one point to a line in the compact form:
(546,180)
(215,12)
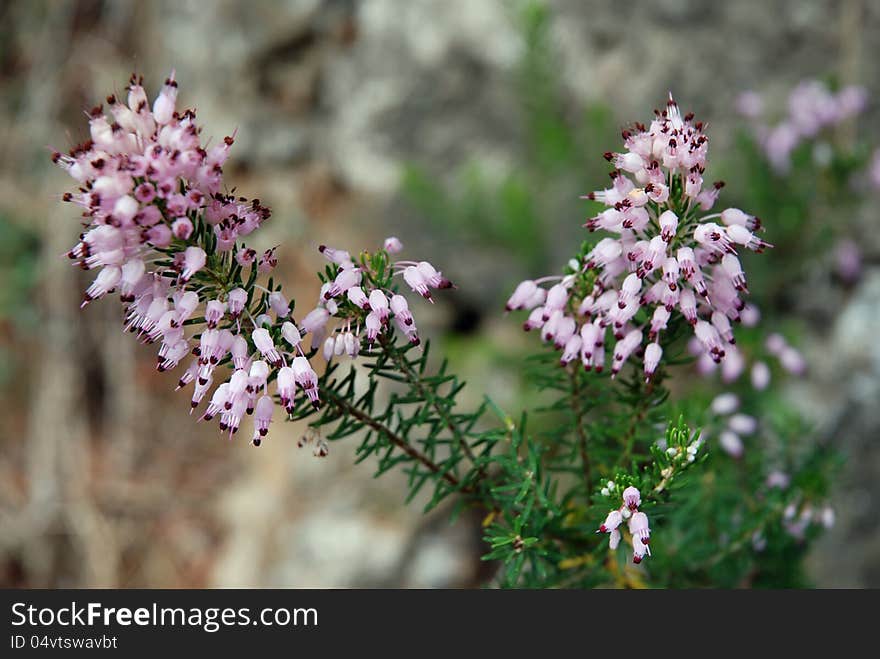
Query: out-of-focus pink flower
(760,376)
(731,443)
(750,104)
(874,170)
(812,107)
(393,245)
(848,260)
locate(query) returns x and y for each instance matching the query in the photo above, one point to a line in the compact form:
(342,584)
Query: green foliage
(19,255)
(19,259)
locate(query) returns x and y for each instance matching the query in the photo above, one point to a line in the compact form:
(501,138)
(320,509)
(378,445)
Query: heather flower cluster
(812,108)
(665,256)
(359,303)
(161,230)
(637,523)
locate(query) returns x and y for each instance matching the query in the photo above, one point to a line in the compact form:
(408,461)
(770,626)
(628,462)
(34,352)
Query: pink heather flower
(572,349)
(733,365)
(874,169)
(105,282)
(792,361)
(373,324)
(262,418)
(263,342)
(393,245)
(357,297)
(410,331)
(185,305)
(240,352)
(163,107)
(338,256)
(523,294)
(214,311)
(379,304)
(182,228)
(344,281)
(639,550)
(624,348)
(687,304)
(614,539)
(352,344)
(775,343)
(315,320)
(725,404)
(267,261)
(639,528)
(279,304)
(238,383)
(664,252)
(750,104)
(329,345)
(848,260)
(329,303)
(194,259)
(612,521)
(236,301)
(668,222)
(132,277)
(709,337)
(632,498)
(286,387)
(637,523)
(742,424)
(417,282)
(245,256)
(535,320)
(170,354)
(258,376)
(433,277)
(231,417)
(290,333)
(734,216)
(201,388)
(778,479)
(218,402)
(653,353)
(778,144)
(306,378)
(400,309)
(731,443)
(750,315)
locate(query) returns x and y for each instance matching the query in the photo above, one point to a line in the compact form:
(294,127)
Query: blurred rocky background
(356,120)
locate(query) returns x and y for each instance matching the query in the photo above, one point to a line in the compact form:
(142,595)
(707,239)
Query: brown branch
(580,429)
(395,439)
(402,363)
(643,405)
